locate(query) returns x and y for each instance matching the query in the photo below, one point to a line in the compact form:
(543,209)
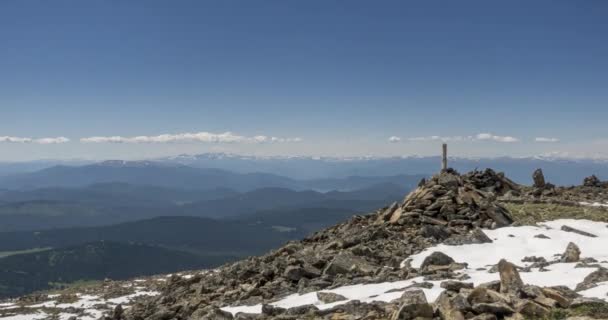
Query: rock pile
(456,202)
(593,181)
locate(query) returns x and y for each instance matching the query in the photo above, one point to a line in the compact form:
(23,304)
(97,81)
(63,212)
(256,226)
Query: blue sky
(341,76)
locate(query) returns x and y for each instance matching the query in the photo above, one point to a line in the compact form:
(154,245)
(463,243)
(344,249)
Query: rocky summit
(448,207)
(456,202)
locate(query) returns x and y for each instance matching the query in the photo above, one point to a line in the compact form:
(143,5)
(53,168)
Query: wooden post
(444,159)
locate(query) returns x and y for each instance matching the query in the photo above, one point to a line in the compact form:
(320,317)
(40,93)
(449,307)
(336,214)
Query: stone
(478,236)
(483,295)
(162,314)
(389,211)
(346,262)
(118,312)
(592,181)
(583,233)
(330,297)
(510,281)
(591,280)
(396,215)
(561,300)
(433,231)
(436,259)
(572,253)
(429,220)
(532,309)
(451,308)
(211,313)
(413,304)
(270,310)
(539,179)
(301,310)
(295,273)
(496,308)
(492,285)
(541,236)
(455,286)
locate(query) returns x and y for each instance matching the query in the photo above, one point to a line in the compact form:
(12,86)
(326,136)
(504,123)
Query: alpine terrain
(460,246)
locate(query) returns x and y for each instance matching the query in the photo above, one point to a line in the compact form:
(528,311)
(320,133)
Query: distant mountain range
(560,171)
(182,177)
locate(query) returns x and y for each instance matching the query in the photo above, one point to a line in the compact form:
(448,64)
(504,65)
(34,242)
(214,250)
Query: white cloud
(544,139)
(489,136)
(56,140)
(52,140)
(394,139)
(478,137)
(440,138)
(206,137)
(15,139)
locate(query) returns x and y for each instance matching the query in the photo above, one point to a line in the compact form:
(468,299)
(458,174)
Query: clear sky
(322,77)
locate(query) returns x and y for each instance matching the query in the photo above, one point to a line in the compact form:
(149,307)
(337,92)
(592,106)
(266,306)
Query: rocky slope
(365,268)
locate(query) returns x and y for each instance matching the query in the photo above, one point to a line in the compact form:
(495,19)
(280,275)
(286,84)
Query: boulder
(539,179)
(413,304)
(591,280)
(118,312)
(483,295)
(531,309)
(330,297)
(295,273)
(452,285)
(436,259)
(496,308)
(556,295)
(582,233)
(452,307)
(346,262)
(270,310)
(572,253)
(510,281)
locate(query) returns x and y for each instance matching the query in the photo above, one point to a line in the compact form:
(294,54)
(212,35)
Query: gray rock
(270,310)
(451,307)
(583,233)
(591,280)
(346,262)
(531,309)
(330,297)
(539,179)
(510,281)
(496,308)
(436,259)
(413,304)
(572,253)
(455,286)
